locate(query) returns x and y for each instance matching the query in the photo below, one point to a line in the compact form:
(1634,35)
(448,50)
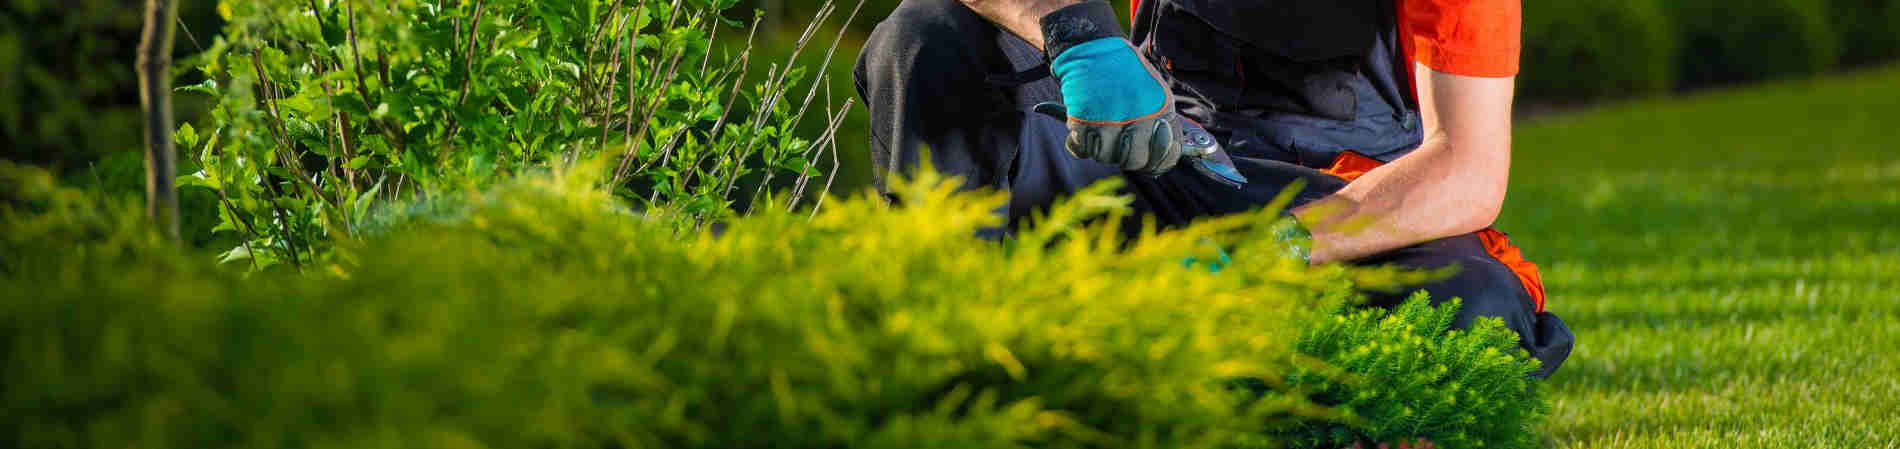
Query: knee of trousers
(921,24)
(1487,288)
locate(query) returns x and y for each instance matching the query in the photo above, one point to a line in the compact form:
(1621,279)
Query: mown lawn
(1730,263)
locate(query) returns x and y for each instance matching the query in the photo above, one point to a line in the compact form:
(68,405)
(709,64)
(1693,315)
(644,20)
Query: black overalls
(1284,101)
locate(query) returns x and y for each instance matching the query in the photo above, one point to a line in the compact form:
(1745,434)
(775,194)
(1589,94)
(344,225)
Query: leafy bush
(1869,30)
(547,316)
(1582,50)
(324,109)
(1405,377)
(1725,41)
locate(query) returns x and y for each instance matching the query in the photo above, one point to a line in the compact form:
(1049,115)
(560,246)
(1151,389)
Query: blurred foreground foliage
(545,314)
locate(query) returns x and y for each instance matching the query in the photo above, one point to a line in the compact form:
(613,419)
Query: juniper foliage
(1398,375)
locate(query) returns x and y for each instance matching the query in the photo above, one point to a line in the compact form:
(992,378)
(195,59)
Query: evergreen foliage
(1398,375)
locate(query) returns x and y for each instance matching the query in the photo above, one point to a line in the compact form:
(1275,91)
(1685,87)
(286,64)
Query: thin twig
(775,89)
(732,98)
(607,97)
(468,71)
(362,87)
(468,54)
(232,209)
(713,140)
(804,176)
(341,120)
(826,62)
(285,155)
(653,107)
(829,177)
(831,132)
(188,35)
(594,40)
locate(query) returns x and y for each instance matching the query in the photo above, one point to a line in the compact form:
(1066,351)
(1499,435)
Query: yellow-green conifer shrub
(544,315)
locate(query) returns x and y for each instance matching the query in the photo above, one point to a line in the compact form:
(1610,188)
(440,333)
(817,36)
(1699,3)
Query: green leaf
(548,17)
(290,203)
(349,102)
(240,253)
(186,136)
(199,179)
(361,204)
(208,87)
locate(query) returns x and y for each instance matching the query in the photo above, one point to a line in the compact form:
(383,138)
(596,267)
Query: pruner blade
(1208,157)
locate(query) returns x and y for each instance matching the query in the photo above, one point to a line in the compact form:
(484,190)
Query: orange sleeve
(1463,37)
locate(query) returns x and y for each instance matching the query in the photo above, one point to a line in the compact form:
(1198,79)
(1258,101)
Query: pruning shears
(1206,155)
(1200,148)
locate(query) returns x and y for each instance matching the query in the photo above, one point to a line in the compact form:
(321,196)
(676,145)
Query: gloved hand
(1118,108)
(1294,240)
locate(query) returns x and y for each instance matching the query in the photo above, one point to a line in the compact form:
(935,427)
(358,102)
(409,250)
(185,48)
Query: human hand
(1294,239)
(1118,107)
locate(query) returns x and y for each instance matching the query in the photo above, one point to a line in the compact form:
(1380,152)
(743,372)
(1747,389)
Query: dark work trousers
(943,83)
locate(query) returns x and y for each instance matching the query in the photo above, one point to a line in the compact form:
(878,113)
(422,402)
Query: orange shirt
(1463,37)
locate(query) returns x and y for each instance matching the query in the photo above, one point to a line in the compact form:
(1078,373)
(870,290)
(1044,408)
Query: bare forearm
(1452,184)
(1020,17)
(1415,199)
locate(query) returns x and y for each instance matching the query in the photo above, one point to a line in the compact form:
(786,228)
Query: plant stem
(155,95)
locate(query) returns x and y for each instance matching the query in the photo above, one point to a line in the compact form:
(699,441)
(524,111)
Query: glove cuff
(1075,24)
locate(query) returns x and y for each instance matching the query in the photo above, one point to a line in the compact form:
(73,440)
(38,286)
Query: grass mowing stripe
(1730,262)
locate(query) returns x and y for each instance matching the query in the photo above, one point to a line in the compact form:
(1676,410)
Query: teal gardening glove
(1291,239)
(1118,108)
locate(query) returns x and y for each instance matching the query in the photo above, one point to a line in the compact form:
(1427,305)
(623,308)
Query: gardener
(1396,113)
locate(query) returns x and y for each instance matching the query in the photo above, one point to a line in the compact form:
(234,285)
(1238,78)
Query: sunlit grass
(1730,263)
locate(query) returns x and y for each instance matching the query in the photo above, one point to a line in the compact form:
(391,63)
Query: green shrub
(1397,375)
(1726,41)
(1582,50)
(546,315)
(324,109)
(1869,30)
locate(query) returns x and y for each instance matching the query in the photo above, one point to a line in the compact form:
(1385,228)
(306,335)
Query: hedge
(1577,51)
(1726,42)
(542,315)
(1869,29)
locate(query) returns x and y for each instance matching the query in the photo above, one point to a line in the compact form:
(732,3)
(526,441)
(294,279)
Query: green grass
(1730,263)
